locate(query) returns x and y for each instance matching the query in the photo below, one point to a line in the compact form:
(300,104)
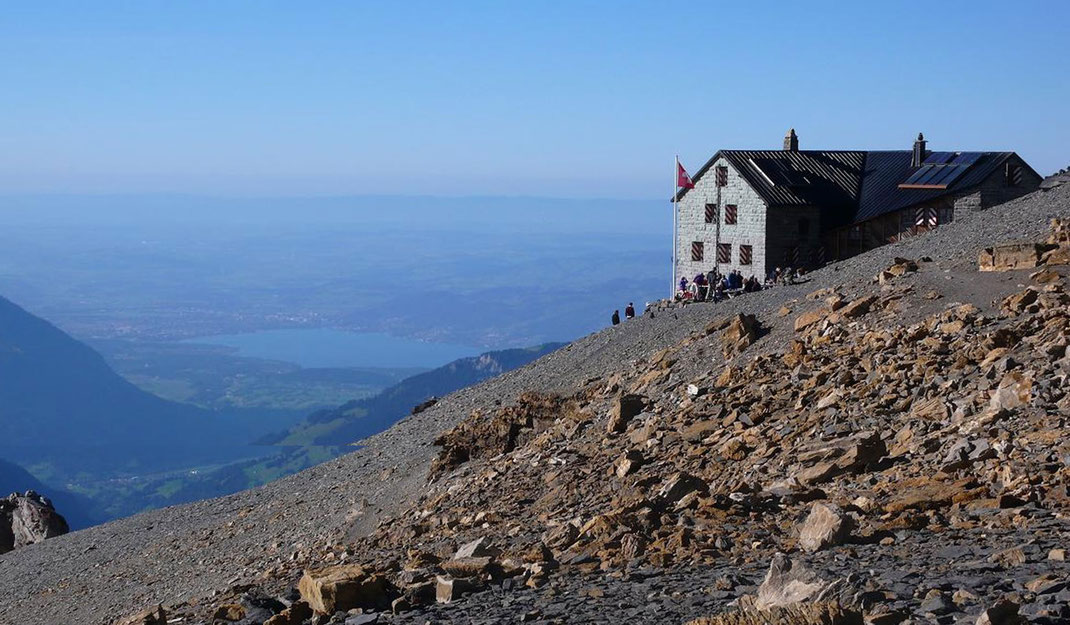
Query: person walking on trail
(629,312)
(616,317)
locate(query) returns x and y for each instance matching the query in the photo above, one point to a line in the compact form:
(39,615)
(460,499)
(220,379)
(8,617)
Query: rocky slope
(873,432)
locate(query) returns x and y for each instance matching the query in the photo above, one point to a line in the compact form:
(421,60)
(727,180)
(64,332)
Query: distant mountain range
(358,419)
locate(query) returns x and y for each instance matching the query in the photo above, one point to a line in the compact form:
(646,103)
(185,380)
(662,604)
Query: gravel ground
(918,564)
(177,554)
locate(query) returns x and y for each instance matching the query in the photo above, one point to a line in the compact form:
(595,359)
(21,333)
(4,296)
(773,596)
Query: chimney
(919,154)
(791,141)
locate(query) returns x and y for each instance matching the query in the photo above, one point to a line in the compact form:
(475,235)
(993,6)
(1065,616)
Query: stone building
(755,210)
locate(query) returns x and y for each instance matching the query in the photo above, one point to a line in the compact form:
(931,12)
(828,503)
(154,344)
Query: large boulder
(27,519)
(343,588)
(449,589)
(742,330)
(858,307)
(477,548)
(1010,257)
(1002,612)
(826,526)
(788,582)
(624,408)
(828,613)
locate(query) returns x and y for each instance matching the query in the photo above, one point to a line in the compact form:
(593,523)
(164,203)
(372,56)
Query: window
(711,213)
(854,233)
(804,228)
(724,252)
(697,250)
(1012,175)
(791,257)
(744,254)
(722,176)
(730,214)
(947,215)
(925,217)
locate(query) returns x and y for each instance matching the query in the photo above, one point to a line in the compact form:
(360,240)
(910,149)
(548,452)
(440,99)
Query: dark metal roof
(821,178)
(850,186)
(886,170)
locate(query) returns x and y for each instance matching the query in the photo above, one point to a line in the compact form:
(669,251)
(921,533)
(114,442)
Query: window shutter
(697,250)
(730,214)
(724,253)
(791,257)
(711,213)
(744,254)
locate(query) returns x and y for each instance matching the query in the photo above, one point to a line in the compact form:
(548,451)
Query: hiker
(683,287)
(616,317)
(629,312)
(698,286)
(735,281)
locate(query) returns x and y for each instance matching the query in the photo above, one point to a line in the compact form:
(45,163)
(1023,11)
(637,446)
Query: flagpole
(675,190)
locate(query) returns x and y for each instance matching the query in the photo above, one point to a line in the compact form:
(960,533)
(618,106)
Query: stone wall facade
(749,229)
(994,190)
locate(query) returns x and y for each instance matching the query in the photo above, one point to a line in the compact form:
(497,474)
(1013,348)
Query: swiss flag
(683,180)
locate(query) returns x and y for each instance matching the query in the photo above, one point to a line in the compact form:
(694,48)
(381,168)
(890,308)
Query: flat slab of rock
(342,588)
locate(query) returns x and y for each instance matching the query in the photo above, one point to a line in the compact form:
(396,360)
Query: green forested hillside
(322,436)
(363,417)
(76,509)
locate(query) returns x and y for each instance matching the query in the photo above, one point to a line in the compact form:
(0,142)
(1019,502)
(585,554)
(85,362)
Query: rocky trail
(886,442)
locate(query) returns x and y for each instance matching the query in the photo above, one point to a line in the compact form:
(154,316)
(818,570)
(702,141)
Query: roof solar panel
(938,158)
(945,174)
(925,174)
(941,169)
(954,174)
(924,170)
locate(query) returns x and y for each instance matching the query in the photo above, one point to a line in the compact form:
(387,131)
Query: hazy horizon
(482,98)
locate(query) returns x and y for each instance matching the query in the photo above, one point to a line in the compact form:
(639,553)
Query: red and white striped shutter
(744,254)
(925,217)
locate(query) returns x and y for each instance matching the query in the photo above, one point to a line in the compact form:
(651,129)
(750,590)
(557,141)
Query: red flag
(683,180)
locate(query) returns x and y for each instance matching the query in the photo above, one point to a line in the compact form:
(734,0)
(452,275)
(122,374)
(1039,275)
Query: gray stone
(826,526)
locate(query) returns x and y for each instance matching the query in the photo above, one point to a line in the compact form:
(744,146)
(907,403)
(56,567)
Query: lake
(324,347)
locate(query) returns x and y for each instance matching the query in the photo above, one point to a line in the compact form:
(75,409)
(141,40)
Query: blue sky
(546,98)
